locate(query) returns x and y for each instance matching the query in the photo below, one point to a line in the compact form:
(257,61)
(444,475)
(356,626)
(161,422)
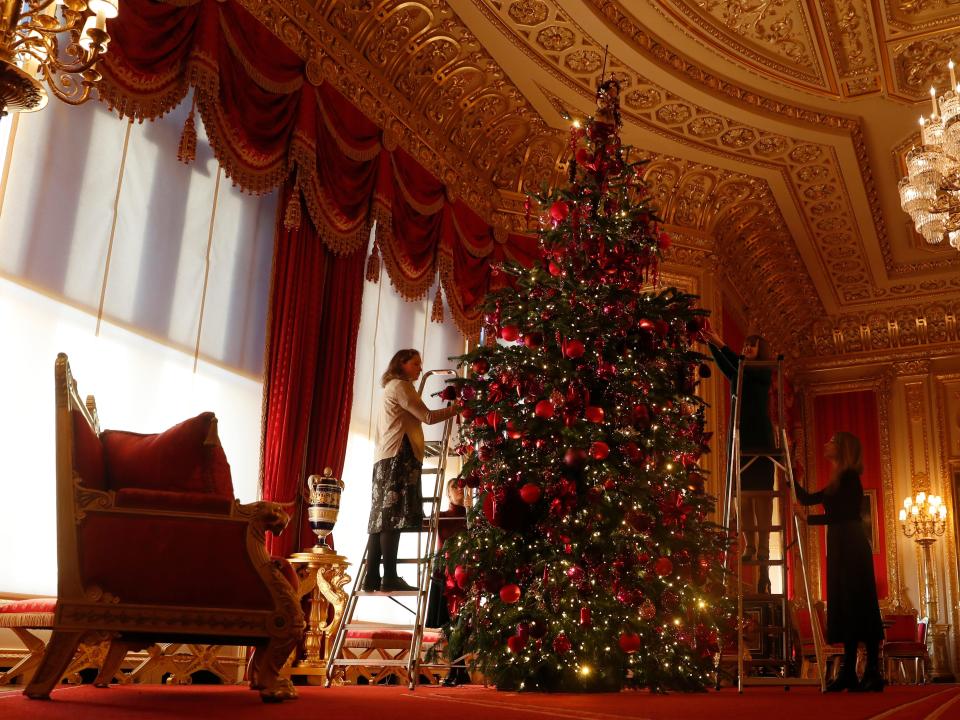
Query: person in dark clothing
(452,521)
(756,435)
(853,611)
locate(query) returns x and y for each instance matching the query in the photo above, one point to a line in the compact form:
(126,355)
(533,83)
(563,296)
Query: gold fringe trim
(436,314)
(259,78)
(373,263)
(468,323)
(187,150)
(291,216)
(346,148)
(411,285)
(255,173)
(431,209)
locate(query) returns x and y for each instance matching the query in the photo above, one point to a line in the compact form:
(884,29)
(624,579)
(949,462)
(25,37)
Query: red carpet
(146,702)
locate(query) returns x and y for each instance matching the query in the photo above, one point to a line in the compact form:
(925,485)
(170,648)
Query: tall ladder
(438,451)
(775,616)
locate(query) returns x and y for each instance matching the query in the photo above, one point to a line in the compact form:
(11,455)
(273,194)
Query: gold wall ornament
(52,43)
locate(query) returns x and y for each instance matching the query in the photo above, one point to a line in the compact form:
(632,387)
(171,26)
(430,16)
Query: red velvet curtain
(268,125)
(857,413)
(308,388)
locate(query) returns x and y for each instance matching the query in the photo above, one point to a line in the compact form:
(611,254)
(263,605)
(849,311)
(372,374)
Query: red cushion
(30,605)
(176,501)
(186,458)
(87,453)
(384,634)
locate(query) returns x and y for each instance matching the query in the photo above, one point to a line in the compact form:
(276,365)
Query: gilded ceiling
(775,129)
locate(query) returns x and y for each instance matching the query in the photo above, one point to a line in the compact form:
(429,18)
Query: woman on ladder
(397,499)
(756,436)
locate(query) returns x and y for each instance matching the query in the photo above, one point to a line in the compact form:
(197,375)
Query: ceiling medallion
(931,191)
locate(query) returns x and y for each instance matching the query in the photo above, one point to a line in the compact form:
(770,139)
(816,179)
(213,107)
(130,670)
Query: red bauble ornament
(480,367)
(645,324)
(530,493)
(462,576)
(561,644)
(663,242)
(509,333)
(599,450)
(629,642)
(493,419)
(466,413)
(554,269)
(573,349)
(594,414)
(576,574)
(448,393)
(663,566)
(533,340)
(510,593)
(648,611)
(516,643)
(543,410)
(467,392)
(559,211)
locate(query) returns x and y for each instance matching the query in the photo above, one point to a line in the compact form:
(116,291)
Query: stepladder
(401,646)
(768,570)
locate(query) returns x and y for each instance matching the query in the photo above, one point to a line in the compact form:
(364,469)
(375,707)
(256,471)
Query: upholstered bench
(380,643)
(24,616)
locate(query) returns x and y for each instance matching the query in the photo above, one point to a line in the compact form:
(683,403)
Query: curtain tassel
(436,315)
(291,216)
(187,151)
(373,263)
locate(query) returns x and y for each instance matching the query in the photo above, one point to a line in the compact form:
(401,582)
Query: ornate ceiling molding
(811,171)
(418,70)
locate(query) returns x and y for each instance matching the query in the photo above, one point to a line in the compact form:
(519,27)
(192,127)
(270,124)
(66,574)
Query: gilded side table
(322,576)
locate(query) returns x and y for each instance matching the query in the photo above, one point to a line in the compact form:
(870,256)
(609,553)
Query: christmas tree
(590,562)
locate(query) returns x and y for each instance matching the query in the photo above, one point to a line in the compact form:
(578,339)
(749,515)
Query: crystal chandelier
(931,191)
(52,42)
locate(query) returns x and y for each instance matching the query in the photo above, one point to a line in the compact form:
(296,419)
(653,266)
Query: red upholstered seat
(152,547)
(383,634)
(905,639)
(28,613)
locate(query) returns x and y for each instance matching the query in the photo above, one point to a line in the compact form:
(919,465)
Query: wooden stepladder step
(376,651)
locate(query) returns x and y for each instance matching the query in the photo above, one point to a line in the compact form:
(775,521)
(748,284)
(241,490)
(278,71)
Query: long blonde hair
(849,454)
(395,368)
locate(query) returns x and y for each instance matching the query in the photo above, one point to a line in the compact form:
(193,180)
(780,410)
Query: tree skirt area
(145,702)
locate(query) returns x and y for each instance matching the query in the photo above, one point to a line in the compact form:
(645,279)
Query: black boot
(371,583)
(844,681)
(392,582)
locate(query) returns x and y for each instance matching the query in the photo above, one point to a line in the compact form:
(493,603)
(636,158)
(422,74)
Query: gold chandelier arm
(66,87)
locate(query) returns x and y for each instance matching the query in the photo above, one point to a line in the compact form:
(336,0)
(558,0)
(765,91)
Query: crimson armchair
(153,547)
